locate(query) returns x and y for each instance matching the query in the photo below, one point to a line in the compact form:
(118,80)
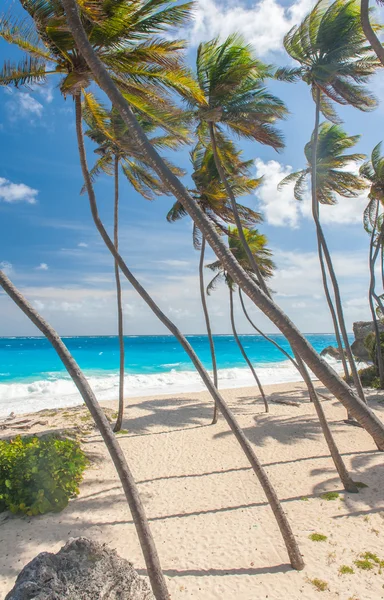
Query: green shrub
(369,377)
(39,475)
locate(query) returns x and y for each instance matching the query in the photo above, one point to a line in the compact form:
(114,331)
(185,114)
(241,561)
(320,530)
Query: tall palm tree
(373,173)
(211,195)
(333,177)
(116,150)
(326,374)
(232,81)
(257,242)
(266,268)
(335,61)
(128,483)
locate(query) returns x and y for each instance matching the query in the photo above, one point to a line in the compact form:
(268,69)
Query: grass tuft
(122,431)
(360,484)
(317,537)
(319,584)
(330,496)
(364,564)
(345,570)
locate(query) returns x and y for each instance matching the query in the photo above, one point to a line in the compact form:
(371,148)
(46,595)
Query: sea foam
(58,391)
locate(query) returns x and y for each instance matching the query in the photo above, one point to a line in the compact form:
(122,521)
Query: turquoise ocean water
(32,376)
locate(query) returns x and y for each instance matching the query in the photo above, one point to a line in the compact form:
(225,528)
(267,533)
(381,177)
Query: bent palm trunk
(316,363)
(132,495)
(231,196)
(208,325)
(368,31)
(120,412)
(322,245)
(243,352)
(282,521)
(373,253)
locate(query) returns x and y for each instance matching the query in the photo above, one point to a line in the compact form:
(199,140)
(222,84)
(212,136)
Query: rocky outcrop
(81,570)
(361,329)
(331,351)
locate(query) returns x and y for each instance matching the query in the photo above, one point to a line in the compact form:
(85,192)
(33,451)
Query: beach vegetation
(330,496)
(346,570)
(39,474)
(319,584)
(317,537)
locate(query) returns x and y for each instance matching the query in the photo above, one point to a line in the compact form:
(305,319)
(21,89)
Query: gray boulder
(331,351)
(81,570)
(361,329)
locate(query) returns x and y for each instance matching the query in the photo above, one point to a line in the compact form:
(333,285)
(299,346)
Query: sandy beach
(215,533)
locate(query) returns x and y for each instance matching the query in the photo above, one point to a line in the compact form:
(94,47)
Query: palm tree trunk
(208,326)
(120,412)
(239,225)
(285,529)
(350,419)
(373,254)
(368,31)
(320,367)
(323,245)
(243,352)
(132,495)
(314,395)
(382,264)
(333,313)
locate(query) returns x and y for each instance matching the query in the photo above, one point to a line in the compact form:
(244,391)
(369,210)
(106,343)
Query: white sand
(215,534)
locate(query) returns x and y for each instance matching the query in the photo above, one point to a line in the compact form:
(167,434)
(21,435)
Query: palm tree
(114,145)
(257,242)
(326,374)
(373,173)
(335,61)
(128,483)
(211,195)
(232,82)
(333,178)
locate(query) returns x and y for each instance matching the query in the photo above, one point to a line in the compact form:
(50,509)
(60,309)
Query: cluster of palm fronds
(158,104)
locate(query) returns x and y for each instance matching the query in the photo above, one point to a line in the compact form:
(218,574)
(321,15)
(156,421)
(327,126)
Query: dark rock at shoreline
(331,351)
(81,570)
(361,329)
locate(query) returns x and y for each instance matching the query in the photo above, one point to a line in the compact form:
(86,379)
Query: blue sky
(51,250)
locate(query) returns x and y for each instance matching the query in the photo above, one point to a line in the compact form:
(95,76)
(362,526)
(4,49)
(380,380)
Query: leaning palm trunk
(252,261)
(340,348)
(208,325)
(120,413)
(132,495)
(323,245)
(373,254)
(348,484)
(333,313)
(319,366)
(243,352)
(282,521)
(369,32)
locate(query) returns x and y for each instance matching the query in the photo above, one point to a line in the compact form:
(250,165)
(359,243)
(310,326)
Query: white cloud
(16,192)
(42,267)
(6,267)
(280,207)
(82,245)
(23,105)
(263,24)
